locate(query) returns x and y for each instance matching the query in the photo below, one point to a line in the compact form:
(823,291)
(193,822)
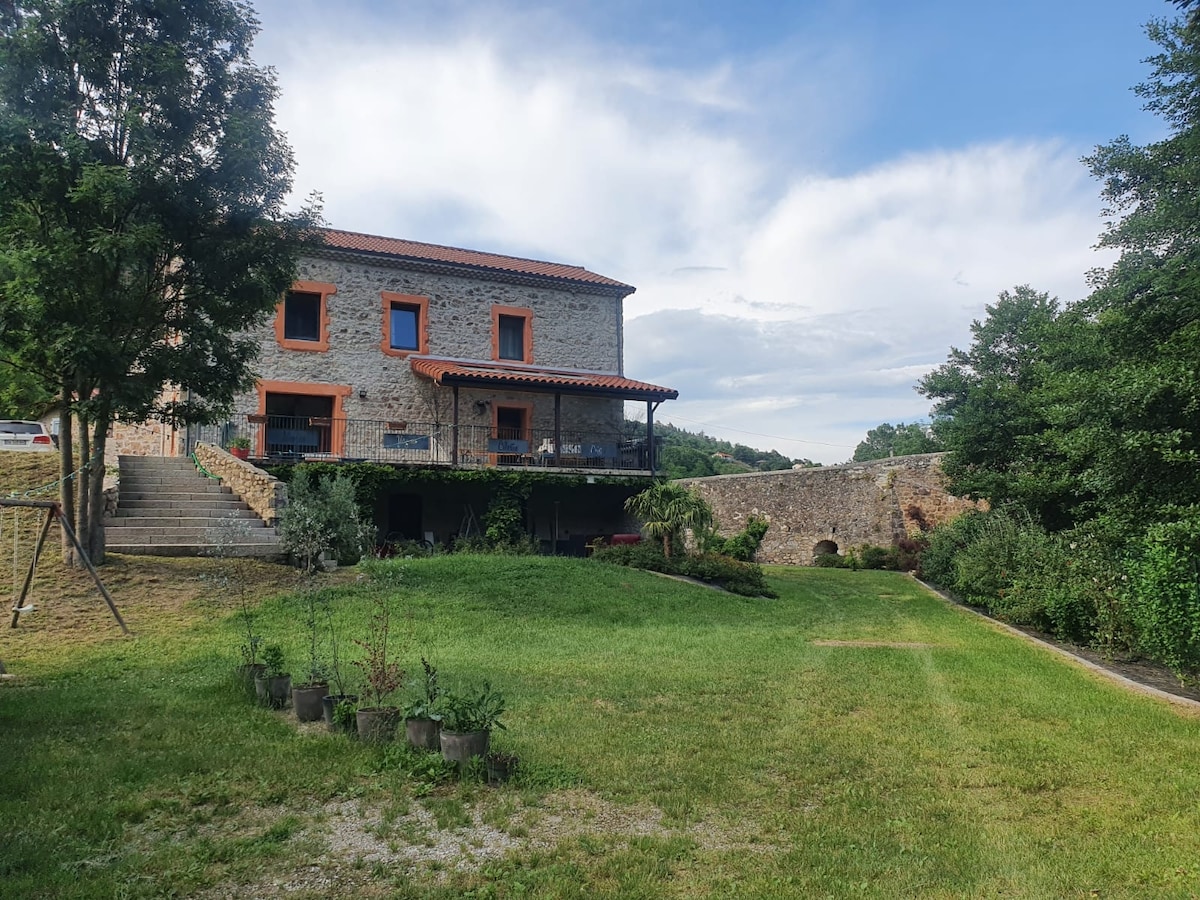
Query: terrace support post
(650,407)
(557,431)
(454,437)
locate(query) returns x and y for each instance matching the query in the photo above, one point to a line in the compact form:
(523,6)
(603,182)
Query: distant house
(419,355)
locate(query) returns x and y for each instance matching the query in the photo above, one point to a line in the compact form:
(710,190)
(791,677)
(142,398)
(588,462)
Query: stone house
(419,355)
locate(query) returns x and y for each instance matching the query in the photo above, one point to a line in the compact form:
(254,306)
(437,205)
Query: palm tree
(666,509)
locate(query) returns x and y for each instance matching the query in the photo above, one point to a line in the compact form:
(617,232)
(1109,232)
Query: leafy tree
(1138,443)
(142,227)
(666,509)
(895,440)
(994,402)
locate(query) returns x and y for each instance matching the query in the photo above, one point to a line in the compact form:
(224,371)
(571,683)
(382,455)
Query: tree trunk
(66,485)
(83,495)
(94,543)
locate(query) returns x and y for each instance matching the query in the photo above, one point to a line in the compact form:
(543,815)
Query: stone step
(141,480)
(134,534)
(184,487)
(157,462)
(221,498)
(262,551)
(208,501)
(197,523)
(188,519)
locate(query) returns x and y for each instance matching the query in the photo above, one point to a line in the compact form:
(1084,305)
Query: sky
(813,199)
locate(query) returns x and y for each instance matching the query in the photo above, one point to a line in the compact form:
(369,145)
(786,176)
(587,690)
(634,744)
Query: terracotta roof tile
(415,250)
(450,371)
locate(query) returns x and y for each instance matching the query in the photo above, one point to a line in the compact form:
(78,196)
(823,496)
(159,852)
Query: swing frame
(54,511)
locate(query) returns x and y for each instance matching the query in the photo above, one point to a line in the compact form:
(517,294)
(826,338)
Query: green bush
(741,546)
(1163,594)
(937,561)
(644,555)
(733,575)
(877,558)
(831,561)
(322,517)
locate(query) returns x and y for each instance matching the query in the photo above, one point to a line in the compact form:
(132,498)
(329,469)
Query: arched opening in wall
(824,548)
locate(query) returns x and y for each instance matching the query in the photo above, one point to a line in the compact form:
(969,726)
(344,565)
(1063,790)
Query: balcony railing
(301,438)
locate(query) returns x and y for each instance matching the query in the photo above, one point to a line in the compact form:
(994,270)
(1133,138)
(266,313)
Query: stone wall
(837,506)
(263,493)
(575,330)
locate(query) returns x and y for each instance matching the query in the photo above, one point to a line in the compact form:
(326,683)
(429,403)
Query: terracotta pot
(424,733)
(239,452)
(306,700)
(377,725)
(459,747)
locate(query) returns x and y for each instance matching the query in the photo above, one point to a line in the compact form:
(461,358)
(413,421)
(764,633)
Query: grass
(675,741)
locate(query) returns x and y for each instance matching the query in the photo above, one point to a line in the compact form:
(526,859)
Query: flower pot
(459,746)
(500,767)
(278,690)
(377,725)
(240,452)
(247,673)
(424,733)
(262,688)
(306,700)
(329,703)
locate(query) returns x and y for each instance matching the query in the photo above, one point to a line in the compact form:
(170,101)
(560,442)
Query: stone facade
(263,493)
(570,329)
(834,508)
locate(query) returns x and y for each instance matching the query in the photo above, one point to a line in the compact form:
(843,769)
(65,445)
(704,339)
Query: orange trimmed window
(302,418)
(302,318)
(405,324)
(512,333)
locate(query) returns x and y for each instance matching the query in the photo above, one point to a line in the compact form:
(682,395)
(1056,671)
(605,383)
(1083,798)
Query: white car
(22,434)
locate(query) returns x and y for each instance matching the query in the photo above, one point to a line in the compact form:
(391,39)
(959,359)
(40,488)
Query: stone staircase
(169,508)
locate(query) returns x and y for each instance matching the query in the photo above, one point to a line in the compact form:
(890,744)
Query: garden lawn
(855,737)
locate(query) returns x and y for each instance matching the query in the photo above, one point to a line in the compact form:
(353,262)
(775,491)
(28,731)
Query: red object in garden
(626,539)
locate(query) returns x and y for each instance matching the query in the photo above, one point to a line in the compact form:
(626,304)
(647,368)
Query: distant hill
(687,454)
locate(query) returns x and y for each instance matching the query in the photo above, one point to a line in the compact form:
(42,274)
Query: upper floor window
(405,324)
(302,316)
(302,319)
(512,333)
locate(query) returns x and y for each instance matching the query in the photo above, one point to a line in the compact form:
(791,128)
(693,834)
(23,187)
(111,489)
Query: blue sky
(814,199)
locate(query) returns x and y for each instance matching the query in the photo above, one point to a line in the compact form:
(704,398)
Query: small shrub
(741,546)
(831,561)
(322,517)
(733,575)
(645,555)
(877,558)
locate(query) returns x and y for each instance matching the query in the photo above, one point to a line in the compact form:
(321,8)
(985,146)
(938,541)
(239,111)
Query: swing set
(53,511)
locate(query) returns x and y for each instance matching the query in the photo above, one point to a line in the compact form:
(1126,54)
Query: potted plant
(331,702)
(467,722)
(251,668)
(239,447)
(274,685)
(382,677)
(422,715)
(501,767)
(307,698)
(344,717)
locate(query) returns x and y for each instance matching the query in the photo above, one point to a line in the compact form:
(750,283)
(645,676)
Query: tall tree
(895,440)
(1139,413)
(142,221)
(995,402)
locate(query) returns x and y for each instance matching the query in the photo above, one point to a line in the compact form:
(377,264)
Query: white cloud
(778,300)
